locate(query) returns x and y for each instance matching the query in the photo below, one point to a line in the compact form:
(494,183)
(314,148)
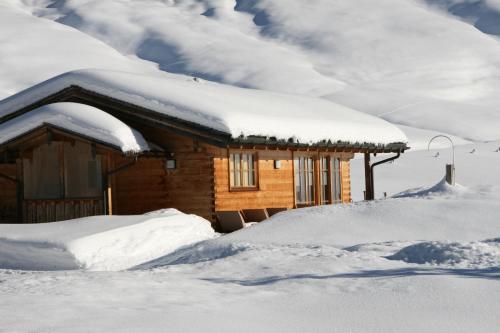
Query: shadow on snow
(486,273)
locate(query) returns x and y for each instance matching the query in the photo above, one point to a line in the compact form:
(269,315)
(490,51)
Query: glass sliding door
(304,181)
(330,180)
(324,171)
(336,180)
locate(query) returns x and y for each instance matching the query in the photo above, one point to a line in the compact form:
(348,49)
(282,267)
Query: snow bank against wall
(79,118)
(232,110)
(99,243)
(439,215)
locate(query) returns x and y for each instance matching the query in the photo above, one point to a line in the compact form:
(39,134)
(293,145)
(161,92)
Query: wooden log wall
(8,198)
(139,188)
(275,186)
(200,182)
(149,185)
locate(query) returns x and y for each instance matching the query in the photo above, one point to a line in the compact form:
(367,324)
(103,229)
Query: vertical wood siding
(8,198)
(40,211)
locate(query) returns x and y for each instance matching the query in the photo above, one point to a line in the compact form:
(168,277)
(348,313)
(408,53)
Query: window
(304,180)
(336,180)
(331,182)
(242,170)
(326,193)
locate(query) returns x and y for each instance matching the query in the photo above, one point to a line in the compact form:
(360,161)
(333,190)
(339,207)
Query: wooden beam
(109,198)
(369,195)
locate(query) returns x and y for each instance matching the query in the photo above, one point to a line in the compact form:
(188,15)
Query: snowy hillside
(427,64)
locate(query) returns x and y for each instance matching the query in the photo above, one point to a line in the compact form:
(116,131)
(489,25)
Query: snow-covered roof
(228,109)
(78,118)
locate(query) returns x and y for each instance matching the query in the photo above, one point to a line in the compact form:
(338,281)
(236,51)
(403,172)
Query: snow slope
(426,263)
(407,61)
(483,14)
(36,49)
(78,118)
(99,243)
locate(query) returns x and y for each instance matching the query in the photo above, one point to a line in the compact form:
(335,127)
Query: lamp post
(450,168)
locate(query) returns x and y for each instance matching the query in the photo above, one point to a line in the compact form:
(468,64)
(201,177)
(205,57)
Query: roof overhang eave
(340,146)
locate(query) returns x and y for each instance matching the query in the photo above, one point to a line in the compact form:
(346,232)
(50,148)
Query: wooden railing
(37,211)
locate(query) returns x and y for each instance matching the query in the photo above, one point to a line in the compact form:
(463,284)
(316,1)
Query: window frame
(241,171)
(329,180)
(306,172)
(334,196)
(340,181)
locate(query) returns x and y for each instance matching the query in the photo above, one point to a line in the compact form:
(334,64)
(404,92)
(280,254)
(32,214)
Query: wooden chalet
(52,172)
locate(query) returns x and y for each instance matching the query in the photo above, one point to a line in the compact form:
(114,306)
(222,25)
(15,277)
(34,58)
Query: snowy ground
(428,260)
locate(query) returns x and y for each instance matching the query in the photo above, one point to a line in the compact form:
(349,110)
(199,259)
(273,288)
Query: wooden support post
(368,178)
(450,174)
(317,182)
(109,200)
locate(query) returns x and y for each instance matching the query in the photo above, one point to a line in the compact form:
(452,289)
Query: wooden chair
(230,220)
(254,215)
(275,210)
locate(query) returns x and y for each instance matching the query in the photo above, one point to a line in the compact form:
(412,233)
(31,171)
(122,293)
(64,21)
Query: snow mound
(366,229)
(410,219)
(471,254)
(215,249)
(99,243)
(85,120)
(230,110)
(440,189)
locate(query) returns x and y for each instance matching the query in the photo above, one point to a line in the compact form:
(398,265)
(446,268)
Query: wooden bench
(230,220)
(254,215)
(275,210)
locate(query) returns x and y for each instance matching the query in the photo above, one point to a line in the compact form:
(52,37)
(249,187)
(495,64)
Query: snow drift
(457,254)
(379,228)
(101,243)
(440,189)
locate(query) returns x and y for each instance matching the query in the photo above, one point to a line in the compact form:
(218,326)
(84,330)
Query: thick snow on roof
(79,118)
(236,111)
